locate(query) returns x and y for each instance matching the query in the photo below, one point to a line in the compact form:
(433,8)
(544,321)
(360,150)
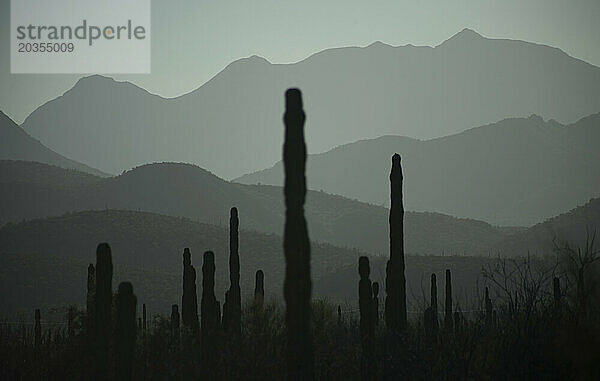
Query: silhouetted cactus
(209,319)
(488,308)
(104,273)
(339,316)
(144,320)
(70,317)
(189,299)
(448,318)
(125,331)
(209,302)
(458,320)
(395,284)
(431,313)
(232,308)
(175,322)
(367,324)
(90,310)
(91,294)
(433,292)
(296,244)
(259,288)
(375,304)
(556,291)
(37,329)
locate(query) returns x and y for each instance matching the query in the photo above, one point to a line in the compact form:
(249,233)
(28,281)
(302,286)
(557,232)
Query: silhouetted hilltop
(232,124)
(45,175)
(188,191)
(16,144)
(518,171)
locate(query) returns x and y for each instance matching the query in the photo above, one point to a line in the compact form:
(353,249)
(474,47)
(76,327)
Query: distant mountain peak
(465,35)
(94,78)
(255,59)
(378,44)
(92,84)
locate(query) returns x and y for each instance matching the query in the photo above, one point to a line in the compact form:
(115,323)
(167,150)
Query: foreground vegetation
(523,341)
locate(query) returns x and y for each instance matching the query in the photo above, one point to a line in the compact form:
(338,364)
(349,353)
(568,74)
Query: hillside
(44,262)
(16,144)
(232,124)
(573,227)
(518,171)
(185,190)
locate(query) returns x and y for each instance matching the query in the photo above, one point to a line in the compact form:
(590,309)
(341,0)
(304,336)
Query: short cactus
(37,329)
(125,331)
(175,322)
(448,318)
(209,319)
(189,299)
(232,308)
(259,288)
(431,313)
(103,307)
(556,291)
(144,320)
(375,304)
(367,325)
(489,313)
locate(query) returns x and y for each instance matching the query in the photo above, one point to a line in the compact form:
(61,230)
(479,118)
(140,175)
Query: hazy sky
(192,40)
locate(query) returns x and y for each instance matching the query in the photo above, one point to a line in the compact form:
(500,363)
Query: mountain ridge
(184,190)
(518,171)
(349,94)
(16,144)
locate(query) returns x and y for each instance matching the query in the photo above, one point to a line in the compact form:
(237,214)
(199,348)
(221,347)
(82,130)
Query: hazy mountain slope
(148,242)
(515,172)
(189,191)
(15,144)
(44,262)
(573,227)
(232,124)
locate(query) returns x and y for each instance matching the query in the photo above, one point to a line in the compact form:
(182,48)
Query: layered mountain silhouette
(518,171)
(232,124)
(33,190)
(147,250)
(16,144)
